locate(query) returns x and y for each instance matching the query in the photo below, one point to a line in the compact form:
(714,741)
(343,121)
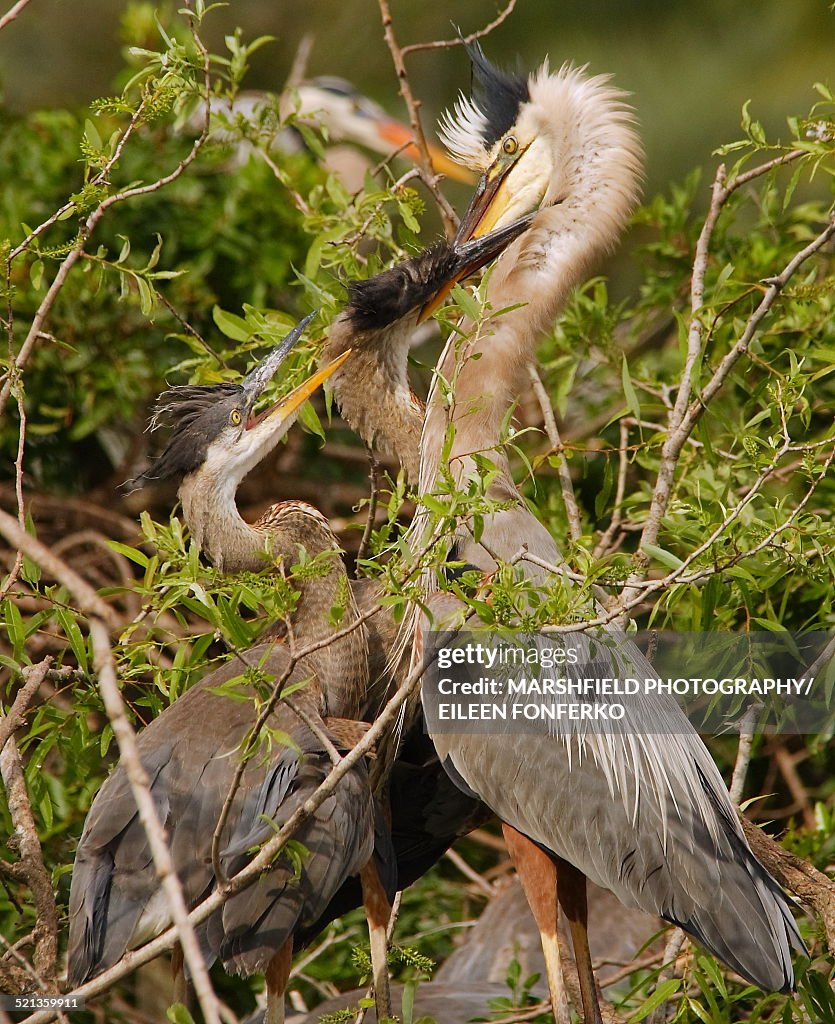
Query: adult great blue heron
(643,810)
(193,750)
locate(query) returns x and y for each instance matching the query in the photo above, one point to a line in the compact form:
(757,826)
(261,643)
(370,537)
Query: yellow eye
(235,418)
(510,145)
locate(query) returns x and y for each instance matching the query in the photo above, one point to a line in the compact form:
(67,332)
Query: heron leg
(378,912)
(277,975)
(181,985)
(571,893)
(538,875)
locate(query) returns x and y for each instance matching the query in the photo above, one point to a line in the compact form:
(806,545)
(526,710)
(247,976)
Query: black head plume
(384,299)
(196,414)
(498,94)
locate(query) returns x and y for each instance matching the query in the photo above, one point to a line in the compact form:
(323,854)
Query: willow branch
(88,600)
(572,511)
(439,44)
(13,719)
(34,870)
(87,229)
(13,12)
(684,415)
(424,161)
(141,790)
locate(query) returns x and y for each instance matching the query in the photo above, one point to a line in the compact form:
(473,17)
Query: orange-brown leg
(378,912)
(571,893)
(181,985)
(538,875)
(277,975)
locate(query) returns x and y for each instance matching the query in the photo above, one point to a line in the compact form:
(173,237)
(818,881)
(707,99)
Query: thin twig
(89,226)
(140,787)
(299,67)
(88,600)
(11,579)
(743,752)
(33,676)
(374,479)
(470,873)
(572,511)
(424,160)
(463,40)
(13,12)
(607,537)
(671,952)
(45,957)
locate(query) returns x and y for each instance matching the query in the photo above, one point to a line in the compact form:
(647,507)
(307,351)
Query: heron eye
(235,418)
(510,145)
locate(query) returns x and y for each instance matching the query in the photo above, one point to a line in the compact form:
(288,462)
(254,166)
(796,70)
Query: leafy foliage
(194,279)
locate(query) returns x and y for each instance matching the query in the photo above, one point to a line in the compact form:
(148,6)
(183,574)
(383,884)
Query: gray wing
(642,810)
(189,754)
(338,841)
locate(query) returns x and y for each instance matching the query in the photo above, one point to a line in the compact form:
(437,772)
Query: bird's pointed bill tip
(471,256)
(259,377)
(282,410)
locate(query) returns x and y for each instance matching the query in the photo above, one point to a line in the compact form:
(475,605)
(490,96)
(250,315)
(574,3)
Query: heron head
(420,285)
(539,140)
(348,116)
(215,427)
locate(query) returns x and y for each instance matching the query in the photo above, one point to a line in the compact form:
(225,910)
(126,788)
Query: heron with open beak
(208,768)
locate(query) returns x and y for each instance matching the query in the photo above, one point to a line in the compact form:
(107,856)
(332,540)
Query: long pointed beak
(472,256)
(257,379)
(283,410)
(399,136)
(486,207)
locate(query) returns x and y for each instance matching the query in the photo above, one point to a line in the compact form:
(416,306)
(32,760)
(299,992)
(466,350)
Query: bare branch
(463,40)
(572,511)
(374,478)
(424,161)
(140,787)
(11,579)
(13,12)
(32,863)
(88,600)
(743,753)
(261,862)
(33,676)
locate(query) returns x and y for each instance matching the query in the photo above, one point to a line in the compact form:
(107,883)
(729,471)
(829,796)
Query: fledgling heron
(643,811)
(192,750)
(335,106)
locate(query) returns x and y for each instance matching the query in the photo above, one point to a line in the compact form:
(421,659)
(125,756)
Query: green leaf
(234,327)
(629,391)
(666,558)
(661,994)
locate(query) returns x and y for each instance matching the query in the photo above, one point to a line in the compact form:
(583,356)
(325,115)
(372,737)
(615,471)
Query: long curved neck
(488,369)
(372,388)
(279,536)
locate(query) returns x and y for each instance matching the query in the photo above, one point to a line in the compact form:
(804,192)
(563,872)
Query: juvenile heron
(642,811)
(192,750)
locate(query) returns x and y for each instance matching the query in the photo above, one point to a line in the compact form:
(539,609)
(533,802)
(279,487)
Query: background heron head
(215,427)
(349,116)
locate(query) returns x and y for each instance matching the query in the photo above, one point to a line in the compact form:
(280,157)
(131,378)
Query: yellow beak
(290,403)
